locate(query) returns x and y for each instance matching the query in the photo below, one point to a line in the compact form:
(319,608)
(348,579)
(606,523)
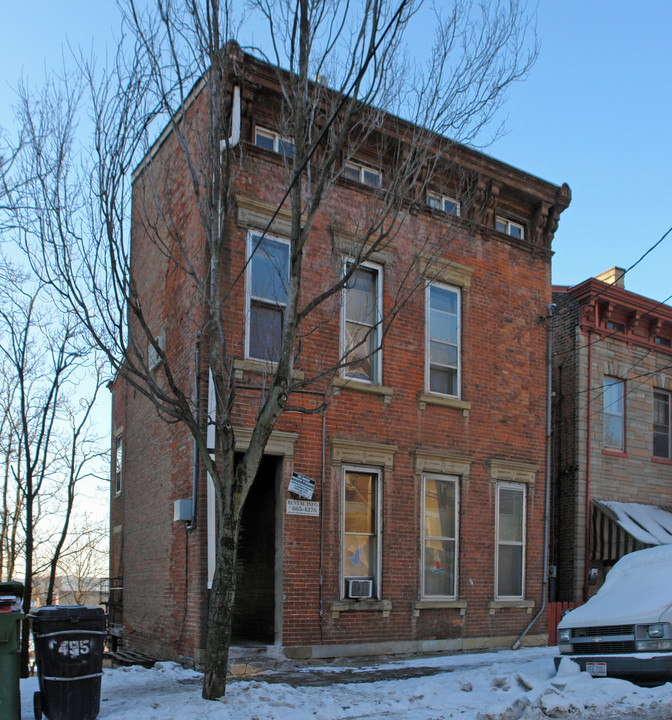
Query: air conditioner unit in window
(153,359)
(360,589)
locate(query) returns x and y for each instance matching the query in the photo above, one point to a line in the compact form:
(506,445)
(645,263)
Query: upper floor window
(268,278)
(615,326)
(442,344)
(510,548)
(271,140)
(439,542)
(614,413)
(363,174)
(360,535)
(661,424)
(509,227)
(665,342)
(360,327)
(442,202)
(118,461)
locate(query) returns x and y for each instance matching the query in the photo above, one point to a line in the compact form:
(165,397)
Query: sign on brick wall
(302,485)
(303,507)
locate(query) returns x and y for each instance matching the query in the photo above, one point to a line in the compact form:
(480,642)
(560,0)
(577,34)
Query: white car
(625,629)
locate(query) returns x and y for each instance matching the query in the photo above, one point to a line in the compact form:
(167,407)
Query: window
(615,326)
(361,532)
(362,312)
(510,561)
(268,276)
(661,424)
(272,141)
(442,202)
(363,174)
(439,544)
(442,342)
(509,227)
(118,459)
(613,413)
(665,342)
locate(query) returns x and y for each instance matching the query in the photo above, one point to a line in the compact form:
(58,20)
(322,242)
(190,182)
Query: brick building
(425,526)
(612,379)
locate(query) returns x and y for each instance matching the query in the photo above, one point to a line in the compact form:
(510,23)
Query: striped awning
(618,528)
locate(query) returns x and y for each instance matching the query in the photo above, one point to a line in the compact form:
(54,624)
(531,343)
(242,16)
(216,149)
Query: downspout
(191,525)
(235,122)
(323,479)
(589,444)
(547,503)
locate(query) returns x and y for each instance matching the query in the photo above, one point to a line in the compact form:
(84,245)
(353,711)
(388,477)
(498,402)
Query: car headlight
(565,636)
(656,631)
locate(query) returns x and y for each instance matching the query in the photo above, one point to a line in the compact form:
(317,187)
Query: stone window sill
(261,367)
(339,606)
(425,399)
(616,453)
(372,388)
(460,605)
(662,461)
(494,605)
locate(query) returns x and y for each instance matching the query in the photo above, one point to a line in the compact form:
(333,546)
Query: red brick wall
(503,377)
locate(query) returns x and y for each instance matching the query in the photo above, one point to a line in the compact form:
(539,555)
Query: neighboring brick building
(430,472)
(612,383)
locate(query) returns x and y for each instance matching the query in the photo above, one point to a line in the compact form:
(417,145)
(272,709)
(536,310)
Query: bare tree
(174,66)
(43,358)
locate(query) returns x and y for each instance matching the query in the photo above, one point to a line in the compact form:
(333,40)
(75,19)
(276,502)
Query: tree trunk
(222,599)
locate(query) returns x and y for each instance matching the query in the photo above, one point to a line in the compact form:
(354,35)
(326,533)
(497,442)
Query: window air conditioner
(360,589)
(153,359)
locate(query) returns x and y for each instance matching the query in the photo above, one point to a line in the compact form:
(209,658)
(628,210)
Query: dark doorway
(254,613)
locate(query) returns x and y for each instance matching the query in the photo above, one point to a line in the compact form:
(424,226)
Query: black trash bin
(69,643)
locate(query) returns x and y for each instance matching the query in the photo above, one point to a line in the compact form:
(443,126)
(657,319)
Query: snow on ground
(507,685)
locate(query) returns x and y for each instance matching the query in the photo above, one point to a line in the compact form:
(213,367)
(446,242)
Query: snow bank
(508,685)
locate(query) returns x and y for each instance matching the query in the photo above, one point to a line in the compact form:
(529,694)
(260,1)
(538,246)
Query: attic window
(509,227)
(270,140)
(615,326)
(363,174)
(443,202)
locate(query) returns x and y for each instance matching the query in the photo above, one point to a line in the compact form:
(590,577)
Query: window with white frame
(442,344)
(118,461)
(443,202)
(509,227)
(363,174)
(510,549)
(614,413)
(268,278)
(661,424)
(440,532)
(271,140)
(360,548)
(361,330)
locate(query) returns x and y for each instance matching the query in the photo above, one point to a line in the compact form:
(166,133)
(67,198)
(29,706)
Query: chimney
(613,276)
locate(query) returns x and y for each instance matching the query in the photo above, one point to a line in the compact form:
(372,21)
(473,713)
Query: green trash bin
(10,649)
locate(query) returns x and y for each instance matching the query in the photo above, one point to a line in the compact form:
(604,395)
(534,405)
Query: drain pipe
(191,525)
(235,122)
(324,474)
(547,503)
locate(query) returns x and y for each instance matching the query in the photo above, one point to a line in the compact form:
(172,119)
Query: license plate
(597,669)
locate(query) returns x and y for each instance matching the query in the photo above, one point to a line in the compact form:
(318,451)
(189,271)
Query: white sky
(488,686)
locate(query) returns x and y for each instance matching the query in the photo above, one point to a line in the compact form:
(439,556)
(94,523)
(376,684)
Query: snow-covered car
(625,629)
